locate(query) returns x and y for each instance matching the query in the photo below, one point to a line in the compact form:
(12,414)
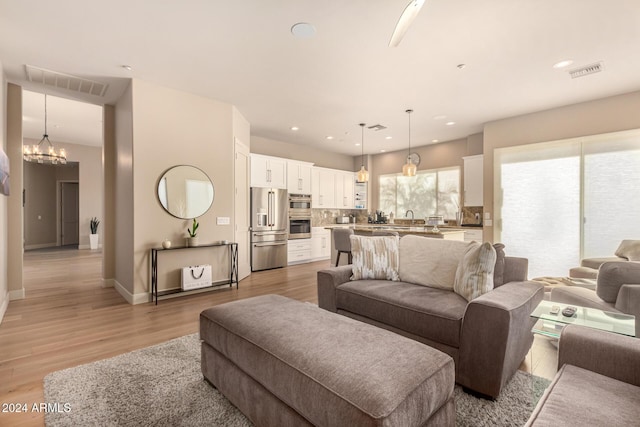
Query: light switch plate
(487,215)
(223,220)
(488,223)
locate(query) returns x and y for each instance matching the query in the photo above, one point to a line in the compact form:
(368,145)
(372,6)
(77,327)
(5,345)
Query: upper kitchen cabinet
(299,177)
(473,172)
(323,188)
(268,172)
(345,187)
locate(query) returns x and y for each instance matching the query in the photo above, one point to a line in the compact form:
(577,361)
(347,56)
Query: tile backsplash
(321,217)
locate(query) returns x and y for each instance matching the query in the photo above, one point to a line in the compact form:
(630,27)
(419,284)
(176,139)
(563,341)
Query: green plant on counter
(192,233)
(93,224)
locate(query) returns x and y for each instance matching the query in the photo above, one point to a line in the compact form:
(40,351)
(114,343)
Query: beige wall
(157,128)
(109,212)
(91,188)
(4,291)
(303,153)
(121,180)
(40,221)
(604,115)
(14,203)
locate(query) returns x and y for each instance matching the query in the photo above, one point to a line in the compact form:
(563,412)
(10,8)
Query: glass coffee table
(551,325)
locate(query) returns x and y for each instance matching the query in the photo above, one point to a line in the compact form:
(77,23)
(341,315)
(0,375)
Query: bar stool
(342,243)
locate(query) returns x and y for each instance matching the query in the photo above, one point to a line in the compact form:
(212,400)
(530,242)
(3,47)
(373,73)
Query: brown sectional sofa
(488,337)
(598,382)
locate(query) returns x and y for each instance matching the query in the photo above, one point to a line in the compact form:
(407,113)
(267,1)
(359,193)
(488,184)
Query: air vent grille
(586,70)
(377,127)
(65,81)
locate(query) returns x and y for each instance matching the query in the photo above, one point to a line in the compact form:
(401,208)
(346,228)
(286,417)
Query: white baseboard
(133,299)
(40,246)
(16,294)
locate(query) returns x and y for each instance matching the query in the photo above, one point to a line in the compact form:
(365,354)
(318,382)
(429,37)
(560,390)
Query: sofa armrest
(496,335)
(328,280)
(612,275)
(515,269)
(628,300)
(613,355)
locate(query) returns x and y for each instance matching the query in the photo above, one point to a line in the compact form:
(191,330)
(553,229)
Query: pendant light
(363,174)
(33,153)
(409,169)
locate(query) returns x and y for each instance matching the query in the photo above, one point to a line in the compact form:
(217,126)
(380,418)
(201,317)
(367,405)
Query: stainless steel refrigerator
(269,225)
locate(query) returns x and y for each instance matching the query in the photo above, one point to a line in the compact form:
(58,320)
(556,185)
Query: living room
(155,124)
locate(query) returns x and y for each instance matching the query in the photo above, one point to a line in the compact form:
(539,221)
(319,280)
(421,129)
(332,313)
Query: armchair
(617,290)
(598,381)
(629,250)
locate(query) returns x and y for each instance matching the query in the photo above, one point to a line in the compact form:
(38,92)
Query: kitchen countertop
(401,229)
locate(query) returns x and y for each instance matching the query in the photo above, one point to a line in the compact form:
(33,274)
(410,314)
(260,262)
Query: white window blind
(558,202)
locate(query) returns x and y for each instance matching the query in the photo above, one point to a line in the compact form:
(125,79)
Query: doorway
(69,213)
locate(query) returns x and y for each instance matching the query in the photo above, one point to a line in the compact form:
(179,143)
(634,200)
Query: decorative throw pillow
(498,272)
(629,249)
(474,276)
(374,257)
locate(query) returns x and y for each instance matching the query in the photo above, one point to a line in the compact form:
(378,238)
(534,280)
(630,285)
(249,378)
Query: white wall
(4,291)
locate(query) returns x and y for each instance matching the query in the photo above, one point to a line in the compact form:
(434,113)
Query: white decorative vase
(93,241)
(166,243)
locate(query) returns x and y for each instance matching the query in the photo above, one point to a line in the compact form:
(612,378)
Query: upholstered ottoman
(285,363)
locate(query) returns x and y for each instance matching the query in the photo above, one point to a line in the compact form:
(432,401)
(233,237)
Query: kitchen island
(402,230)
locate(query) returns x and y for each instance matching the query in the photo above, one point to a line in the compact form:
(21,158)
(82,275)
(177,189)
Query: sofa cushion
(374,257)
(629,249)
(430,262)
(595,263)
(498,272)
(584,398)
(475,271)
(431,313)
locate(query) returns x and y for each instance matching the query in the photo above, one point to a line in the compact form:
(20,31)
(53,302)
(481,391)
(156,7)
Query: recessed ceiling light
(450,123)
(388,137)
(127,67)
(357,144)
(435,140)
(461,66)
(383,151)
(294,128)
(440,117)
(562,64)
(329,137)
(303,30)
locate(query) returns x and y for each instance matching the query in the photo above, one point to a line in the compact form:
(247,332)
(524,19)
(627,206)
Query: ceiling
(243,53)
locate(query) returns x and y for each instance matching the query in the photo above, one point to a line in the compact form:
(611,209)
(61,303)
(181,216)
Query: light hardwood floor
(68,319)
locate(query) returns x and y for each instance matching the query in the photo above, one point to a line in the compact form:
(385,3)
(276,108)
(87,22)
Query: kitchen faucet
(407,214)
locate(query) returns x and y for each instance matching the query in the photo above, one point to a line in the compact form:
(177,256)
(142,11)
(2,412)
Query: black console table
(233,269)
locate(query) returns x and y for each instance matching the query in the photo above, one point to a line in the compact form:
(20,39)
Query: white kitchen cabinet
(299,177)
(268,172)
(298,251)
(345,187)
(473,172)
(473,235)
(323,188)
(320,243)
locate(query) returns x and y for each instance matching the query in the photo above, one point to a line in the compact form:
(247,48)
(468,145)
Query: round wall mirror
(185,192)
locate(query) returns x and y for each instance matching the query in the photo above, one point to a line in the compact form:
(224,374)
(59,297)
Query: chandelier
(34,153)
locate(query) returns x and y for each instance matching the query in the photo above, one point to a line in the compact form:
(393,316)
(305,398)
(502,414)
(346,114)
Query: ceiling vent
(65,81)
(377,127)
(586,70)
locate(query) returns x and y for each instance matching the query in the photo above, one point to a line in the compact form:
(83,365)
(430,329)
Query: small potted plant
(192,240)
(93,237)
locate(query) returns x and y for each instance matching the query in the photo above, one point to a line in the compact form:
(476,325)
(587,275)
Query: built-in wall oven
(299,216)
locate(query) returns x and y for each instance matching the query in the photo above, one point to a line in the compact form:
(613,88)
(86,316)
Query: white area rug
(162,385)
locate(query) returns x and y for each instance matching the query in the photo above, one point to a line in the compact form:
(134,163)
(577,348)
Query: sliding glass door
(558,202)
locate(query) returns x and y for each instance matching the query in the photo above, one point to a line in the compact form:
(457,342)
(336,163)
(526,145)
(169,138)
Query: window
(429,192)
(559,202)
